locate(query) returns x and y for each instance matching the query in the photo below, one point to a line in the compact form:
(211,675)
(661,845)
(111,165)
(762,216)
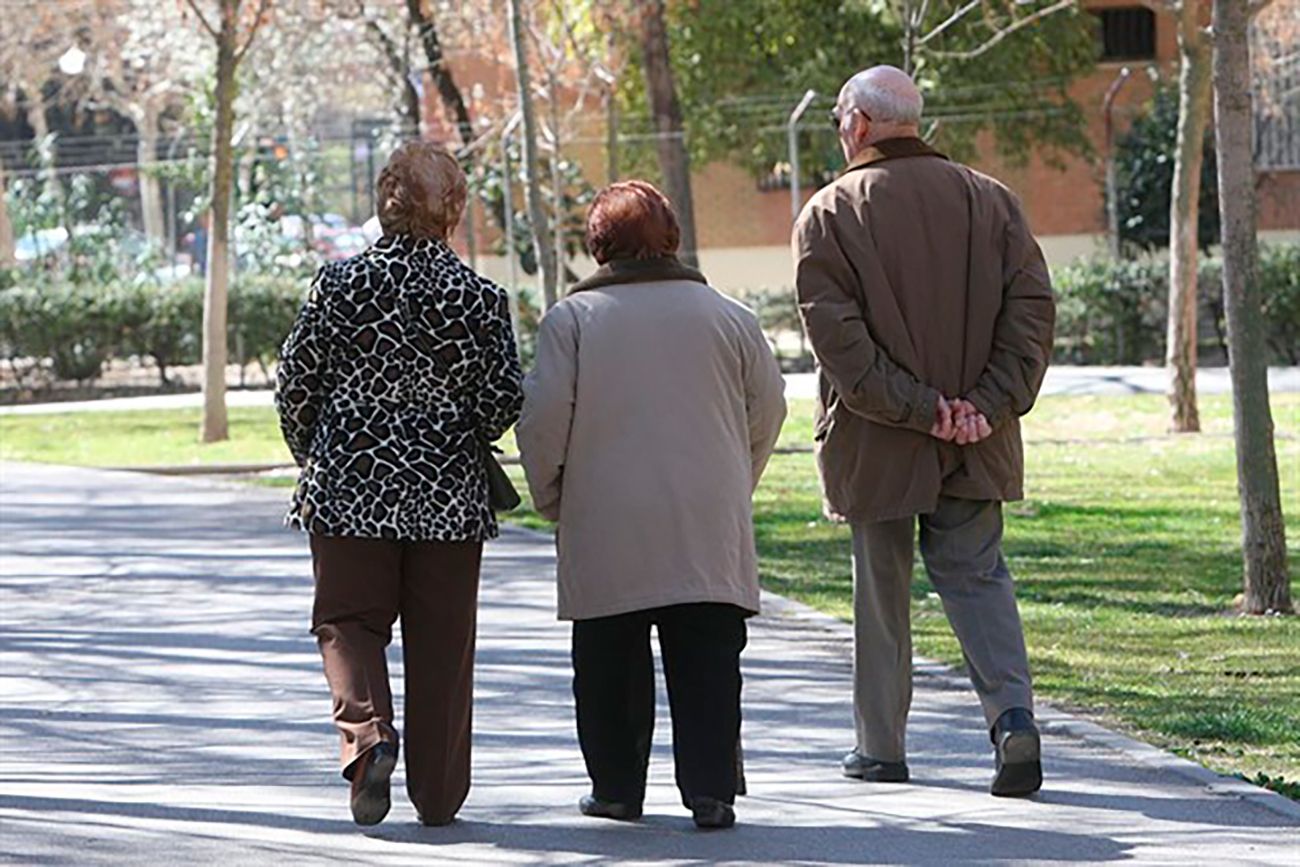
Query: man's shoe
(370,791)
(1019,755)
(590,805)
(712,814)
(860,767)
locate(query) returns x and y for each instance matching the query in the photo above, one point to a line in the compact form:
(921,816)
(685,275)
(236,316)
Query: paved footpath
(161,703)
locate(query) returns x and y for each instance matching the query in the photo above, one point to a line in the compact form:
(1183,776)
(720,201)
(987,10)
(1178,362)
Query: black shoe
(860,767)
(590,805)
(370,791)
(1019,755)
(710,813)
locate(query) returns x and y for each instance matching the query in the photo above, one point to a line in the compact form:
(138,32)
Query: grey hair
(884,104)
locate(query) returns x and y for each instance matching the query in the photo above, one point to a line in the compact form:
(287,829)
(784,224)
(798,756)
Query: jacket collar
(618,271)
(407,243)
(892,149)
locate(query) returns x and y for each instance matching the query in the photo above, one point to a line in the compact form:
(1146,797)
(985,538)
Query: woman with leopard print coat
(400,369)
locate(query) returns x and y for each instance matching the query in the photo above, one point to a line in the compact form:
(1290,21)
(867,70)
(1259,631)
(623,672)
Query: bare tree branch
(262,7)
(1258,6)
(1008,30)
(952,19)
(193,4)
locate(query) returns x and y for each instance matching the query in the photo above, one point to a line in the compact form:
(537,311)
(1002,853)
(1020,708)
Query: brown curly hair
(421,191)
(631,220)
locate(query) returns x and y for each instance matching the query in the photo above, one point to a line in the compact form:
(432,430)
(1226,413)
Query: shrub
(165,324)
(262,310)
(1279,282)
(76,328)
(1112,312)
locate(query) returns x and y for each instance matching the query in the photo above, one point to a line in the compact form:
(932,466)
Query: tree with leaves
(543,240)
(1000,66)
(666,110)
(141,62)
(237,23)
(1263,530)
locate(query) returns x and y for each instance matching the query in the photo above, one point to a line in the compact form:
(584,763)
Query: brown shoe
(371,799)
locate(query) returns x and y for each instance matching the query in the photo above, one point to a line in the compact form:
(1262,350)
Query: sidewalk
(162,703)
(1060,380)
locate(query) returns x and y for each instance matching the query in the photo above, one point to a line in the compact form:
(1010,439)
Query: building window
(1127,33)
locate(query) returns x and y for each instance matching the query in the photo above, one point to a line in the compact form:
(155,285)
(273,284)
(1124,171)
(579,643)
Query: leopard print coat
(401,362)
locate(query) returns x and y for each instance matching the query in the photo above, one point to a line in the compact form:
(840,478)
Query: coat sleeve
(866,379)
(1022,333)
(765,406)
(300,375)
(549,395)
(498,400)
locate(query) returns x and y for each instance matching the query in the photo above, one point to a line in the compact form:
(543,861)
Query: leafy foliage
(67,331)
(1112,312)
(742,66)
(1144,163)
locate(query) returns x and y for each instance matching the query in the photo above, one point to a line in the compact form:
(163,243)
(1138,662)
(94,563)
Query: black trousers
(613,684)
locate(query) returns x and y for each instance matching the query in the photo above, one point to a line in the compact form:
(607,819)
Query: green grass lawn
(1126,555)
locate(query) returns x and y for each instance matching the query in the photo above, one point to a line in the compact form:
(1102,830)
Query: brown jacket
(918,277)
(648,419)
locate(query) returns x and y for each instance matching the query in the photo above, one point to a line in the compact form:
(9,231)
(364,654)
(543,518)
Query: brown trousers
(362,587)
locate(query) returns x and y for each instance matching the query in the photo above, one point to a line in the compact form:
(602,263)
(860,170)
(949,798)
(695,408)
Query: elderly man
(930,311)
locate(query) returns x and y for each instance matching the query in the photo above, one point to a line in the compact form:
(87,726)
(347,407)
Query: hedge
(78,328)
(1108,312)
(1112,312)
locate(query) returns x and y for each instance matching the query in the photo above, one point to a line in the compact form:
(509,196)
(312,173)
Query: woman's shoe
(711,814)
(590,805)
(370,791)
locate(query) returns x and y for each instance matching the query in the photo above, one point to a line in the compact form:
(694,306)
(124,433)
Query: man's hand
(971,425)
(944,427)
(959,421)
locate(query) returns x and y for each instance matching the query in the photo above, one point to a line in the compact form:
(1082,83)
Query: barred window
(1127,33)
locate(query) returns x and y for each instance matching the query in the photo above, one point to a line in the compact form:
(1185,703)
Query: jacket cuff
(923,414)
(995,412)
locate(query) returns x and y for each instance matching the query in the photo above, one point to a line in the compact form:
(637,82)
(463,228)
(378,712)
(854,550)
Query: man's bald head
(886,94)
(877,104)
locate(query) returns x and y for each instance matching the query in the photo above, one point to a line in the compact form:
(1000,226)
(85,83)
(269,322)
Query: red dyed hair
(631,220)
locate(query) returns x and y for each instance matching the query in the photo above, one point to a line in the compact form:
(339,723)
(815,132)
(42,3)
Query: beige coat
(919,277)
(648,419)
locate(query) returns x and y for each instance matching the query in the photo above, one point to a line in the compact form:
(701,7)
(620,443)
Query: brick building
(744,226)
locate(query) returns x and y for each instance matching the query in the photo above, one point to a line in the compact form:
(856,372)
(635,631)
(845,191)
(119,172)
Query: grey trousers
(961,545)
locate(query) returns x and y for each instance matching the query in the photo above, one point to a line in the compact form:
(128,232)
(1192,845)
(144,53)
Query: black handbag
(502,496)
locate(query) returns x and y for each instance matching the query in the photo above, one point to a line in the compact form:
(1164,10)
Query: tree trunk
(6,225)
(542,242)
(674,160)
(151,198)
(1184,216)
(1267,586)
(557,185)
(453,102)
(215,426)
(408,107)
(45,148)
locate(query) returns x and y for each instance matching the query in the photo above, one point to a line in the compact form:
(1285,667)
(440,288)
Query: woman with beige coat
(651,413)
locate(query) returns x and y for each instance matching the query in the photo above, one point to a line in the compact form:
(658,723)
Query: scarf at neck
(619,271)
